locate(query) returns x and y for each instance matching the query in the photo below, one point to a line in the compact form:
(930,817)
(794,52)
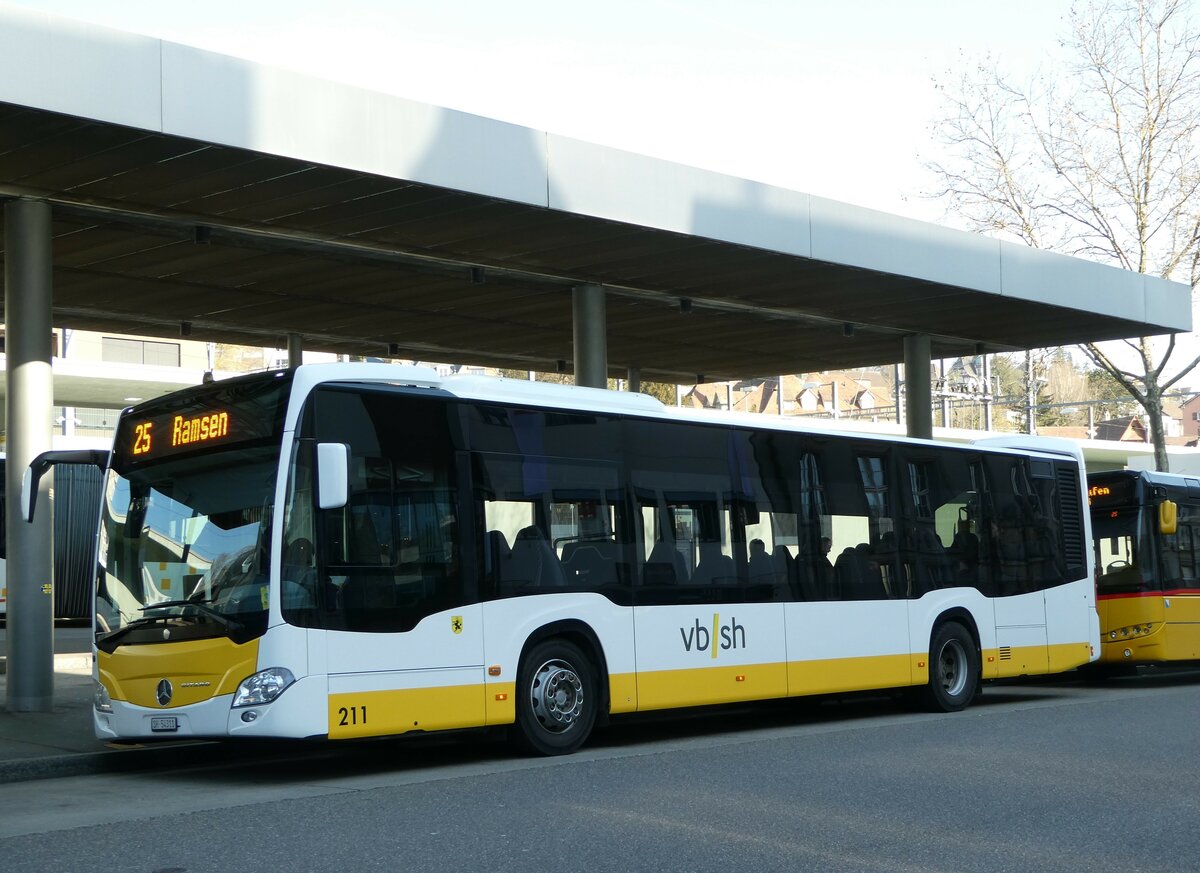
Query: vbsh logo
(721,637)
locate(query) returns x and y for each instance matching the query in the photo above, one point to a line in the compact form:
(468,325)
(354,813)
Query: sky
(833,99)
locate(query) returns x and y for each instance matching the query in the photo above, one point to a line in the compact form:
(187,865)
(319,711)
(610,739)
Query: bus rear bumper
(1144,650)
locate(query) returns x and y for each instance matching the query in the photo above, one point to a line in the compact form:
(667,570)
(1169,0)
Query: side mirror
(1168,515)
(43,462)
(333,475)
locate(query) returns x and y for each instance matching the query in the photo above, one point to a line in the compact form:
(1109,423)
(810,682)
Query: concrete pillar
(27,316)
(295,349)
(918,410)
(634,378)
(590,335)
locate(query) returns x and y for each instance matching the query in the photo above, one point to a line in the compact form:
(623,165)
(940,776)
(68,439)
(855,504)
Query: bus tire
(557,699)
(953,669)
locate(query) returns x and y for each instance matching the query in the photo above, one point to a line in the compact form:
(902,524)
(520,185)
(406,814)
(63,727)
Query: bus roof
(571,397)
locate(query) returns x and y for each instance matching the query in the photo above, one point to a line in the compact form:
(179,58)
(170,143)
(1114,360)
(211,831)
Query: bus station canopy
(202,195)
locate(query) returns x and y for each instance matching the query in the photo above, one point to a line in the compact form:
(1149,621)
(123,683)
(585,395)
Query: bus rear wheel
(557,698)
(953,669)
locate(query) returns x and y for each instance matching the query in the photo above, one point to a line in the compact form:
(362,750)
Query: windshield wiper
(108,642)
(203,607)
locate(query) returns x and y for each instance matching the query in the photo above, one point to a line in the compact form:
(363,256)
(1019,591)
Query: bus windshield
(184,549)
(184,544)
(1123,563)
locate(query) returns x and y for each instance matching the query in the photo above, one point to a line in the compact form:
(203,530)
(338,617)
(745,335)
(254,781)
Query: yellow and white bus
(1146,534)
(355,550)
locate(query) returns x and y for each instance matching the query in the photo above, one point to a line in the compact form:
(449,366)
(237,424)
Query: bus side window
(862,530)
(551,523)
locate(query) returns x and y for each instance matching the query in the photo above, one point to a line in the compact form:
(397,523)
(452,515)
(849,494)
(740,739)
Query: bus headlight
(100,699)
(263,687)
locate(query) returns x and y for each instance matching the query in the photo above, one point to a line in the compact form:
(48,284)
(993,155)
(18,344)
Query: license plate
(164,723)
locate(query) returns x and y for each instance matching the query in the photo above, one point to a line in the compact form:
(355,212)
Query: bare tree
(1099,160)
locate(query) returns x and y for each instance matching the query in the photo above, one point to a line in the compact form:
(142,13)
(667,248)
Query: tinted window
(1026,530)
(391,556)
(551,525)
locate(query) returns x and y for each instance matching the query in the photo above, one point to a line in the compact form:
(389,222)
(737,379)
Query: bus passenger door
(404,635)
(1018,525)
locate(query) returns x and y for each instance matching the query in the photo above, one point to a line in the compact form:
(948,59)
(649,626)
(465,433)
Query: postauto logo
(722,637)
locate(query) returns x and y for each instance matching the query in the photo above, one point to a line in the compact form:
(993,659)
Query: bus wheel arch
(955,662)
(561,688)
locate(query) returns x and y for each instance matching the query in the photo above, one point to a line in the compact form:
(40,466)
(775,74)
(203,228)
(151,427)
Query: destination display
(203,418)
(1114,492)
(180,431)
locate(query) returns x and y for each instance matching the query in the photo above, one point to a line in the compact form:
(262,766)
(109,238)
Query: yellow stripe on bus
(667,689)
(622,692)
(383,713)
(853,674)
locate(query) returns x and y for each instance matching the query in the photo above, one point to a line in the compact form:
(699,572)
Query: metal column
(591,336)
(988,397)
(295,349)
(918,407)
(28,331)
(634,378)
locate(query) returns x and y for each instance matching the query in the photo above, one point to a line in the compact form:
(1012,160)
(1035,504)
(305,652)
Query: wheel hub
(557,696)
(952,668)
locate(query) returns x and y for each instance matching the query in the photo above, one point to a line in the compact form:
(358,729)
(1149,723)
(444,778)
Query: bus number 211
(352,715)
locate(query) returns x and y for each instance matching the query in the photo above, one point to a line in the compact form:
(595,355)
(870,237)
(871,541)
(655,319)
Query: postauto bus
(353,550)
(1146,536)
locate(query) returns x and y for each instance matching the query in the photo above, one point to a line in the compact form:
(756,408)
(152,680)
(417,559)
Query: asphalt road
(1061,776)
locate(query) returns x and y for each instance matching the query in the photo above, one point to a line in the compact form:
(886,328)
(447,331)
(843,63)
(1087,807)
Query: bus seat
(765,571)
(858,574)
(591,563)
(786,566)
(533,562)
(964,551)
(714,567)
(495,553)
(665,566)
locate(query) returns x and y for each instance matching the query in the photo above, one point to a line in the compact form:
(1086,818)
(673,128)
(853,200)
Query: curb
(134,759)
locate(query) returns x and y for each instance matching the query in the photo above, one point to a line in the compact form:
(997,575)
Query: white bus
(361,550)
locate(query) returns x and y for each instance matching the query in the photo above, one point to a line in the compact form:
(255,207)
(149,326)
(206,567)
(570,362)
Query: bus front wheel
(953,669)
(557,697)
